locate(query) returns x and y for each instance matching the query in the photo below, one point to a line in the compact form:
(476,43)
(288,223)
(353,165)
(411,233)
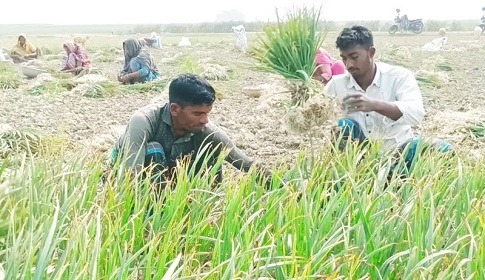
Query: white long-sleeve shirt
(393,84)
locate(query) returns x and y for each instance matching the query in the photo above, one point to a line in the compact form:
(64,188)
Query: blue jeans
(351,130)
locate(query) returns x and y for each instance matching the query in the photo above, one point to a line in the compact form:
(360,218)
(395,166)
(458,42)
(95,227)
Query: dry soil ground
(452,85)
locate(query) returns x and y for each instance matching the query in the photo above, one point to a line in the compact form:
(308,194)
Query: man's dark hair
(191,90)
(354,36)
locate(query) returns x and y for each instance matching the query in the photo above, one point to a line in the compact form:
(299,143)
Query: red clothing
(77,57)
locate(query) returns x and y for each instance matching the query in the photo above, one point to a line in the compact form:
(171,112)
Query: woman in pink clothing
(327,66)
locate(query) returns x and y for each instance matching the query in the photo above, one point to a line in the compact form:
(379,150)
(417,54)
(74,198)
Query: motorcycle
(482,24)
(416,26)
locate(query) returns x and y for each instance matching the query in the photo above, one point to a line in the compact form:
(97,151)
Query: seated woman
(327,66)
(139,64)
(24,50)
(77,59)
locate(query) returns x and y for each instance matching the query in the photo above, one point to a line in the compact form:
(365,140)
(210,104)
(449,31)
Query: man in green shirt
(162,134)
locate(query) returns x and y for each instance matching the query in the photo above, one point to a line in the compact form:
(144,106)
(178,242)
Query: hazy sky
(166,11)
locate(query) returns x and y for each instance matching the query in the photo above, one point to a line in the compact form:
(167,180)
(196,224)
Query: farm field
(60,217)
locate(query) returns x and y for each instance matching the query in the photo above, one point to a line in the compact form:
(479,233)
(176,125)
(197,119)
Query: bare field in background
(451,81)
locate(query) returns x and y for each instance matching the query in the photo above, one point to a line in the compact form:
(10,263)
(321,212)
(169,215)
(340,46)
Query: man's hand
(125,79)
(359,103)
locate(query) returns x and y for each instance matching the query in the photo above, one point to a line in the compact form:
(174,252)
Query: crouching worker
(382,101)
(139,65)
(24,50)
(77,59)
(156,136)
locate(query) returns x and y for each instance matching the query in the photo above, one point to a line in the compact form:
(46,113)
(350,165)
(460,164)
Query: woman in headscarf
(77,58)
(24,50)
(139,64)
(327,66)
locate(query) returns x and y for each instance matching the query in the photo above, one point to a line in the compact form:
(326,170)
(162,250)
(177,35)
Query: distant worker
(24,50)
(77,59)
(139,65)
(404,21)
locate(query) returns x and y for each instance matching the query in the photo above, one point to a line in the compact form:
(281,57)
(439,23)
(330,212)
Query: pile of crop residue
(42,64)
(398,55)
(47,84)
(94,85)
(215,72)
(432,78)
(317,113)
(452,124)
(90,78)
(16,141)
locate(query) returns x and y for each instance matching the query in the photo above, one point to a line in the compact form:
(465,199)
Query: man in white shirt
(382,101)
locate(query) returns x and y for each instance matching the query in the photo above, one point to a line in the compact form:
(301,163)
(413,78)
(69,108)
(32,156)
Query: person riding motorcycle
(403,21)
